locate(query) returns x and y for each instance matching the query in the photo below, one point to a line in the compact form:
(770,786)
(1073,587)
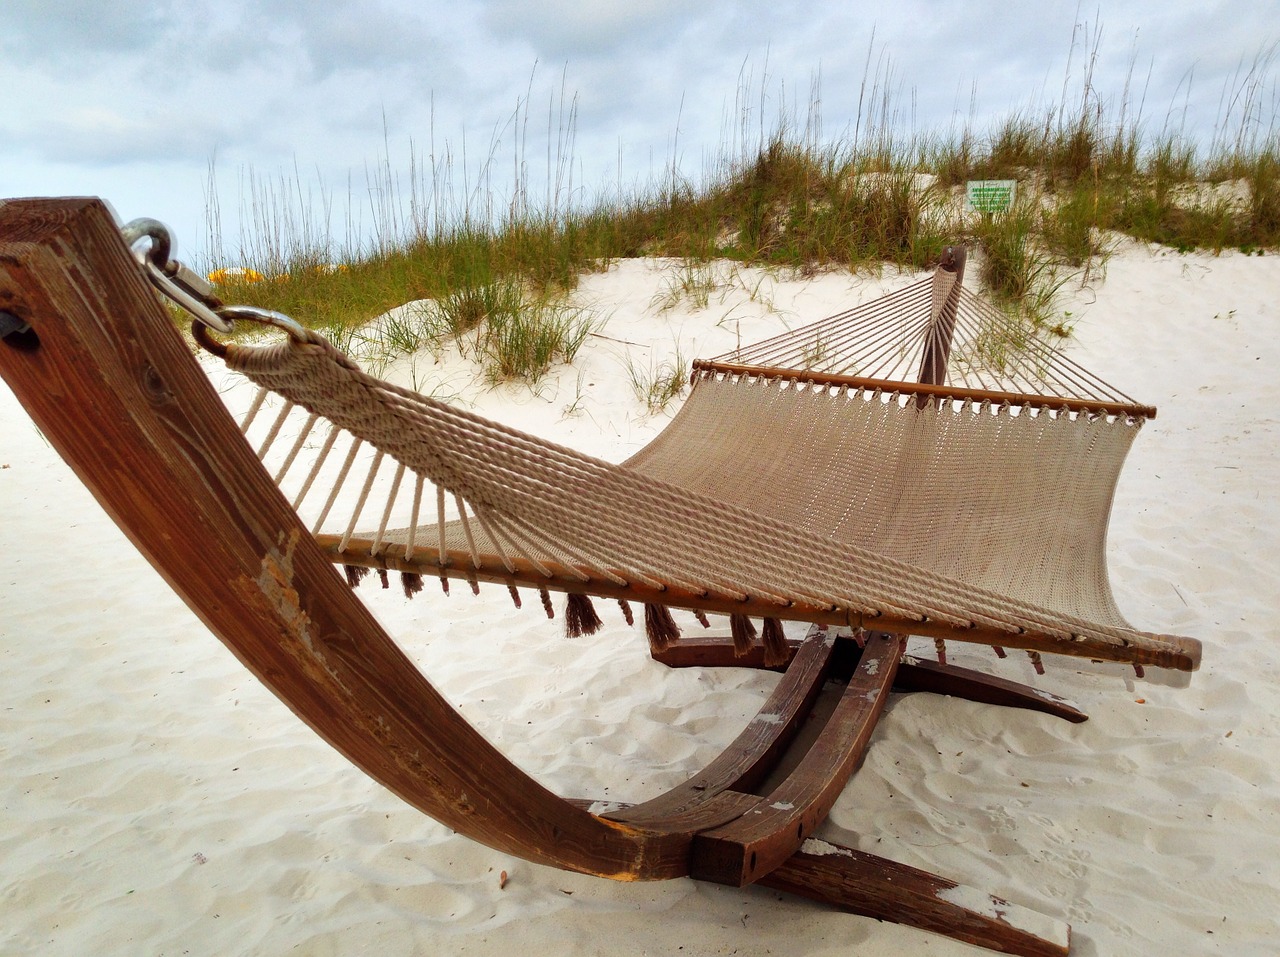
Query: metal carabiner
(266,317)
(182,297)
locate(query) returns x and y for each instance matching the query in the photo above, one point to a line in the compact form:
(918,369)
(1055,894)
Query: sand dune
(156,800)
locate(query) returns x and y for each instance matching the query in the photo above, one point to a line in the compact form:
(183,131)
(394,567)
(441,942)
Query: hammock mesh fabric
(819,498)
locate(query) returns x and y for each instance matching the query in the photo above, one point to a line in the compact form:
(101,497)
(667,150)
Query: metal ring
(200,332)
(266,317)
(159,234)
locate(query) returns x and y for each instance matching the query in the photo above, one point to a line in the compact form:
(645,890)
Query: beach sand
(155,799)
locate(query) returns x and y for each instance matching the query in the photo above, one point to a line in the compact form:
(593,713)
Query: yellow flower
(235,274)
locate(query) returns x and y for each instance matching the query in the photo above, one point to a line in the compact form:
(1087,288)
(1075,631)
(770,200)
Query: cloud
(101,135)
(339,37)
(73,28)
(567,30)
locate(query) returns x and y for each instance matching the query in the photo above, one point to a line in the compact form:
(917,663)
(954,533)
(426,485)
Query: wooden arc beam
(750,831)
(747,761)
(914,674)
(166,461)
(942,323)
(744,850)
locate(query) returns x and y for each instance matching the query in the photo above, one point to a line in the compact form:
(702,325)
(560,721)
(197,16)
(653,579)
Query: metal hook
(174,280)
(159,234)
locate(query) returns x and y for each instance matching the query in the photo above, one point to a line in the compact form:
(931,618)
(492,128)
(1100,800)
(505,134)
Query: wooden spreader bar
(1165,651)
(926,390)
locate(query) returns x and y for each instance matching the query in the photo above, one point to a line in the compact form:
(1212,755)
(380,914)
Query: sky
(197,112)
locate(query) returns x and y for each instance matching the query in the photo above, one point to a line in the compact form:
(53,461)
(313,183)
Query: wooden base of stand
(872,886)
(749,840)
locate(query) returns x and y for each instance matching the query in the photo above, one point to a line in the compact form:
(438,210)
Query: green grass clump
(523,342)
(1069,229)
(798,206)
(657,386)
(468,307)
(1017,270)
(693,282)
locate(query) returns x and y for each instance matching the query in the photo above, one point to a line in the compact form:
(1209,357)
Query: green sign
(990,195)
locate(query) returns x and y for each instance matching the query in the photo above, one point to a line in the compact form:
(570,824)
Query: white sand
(154,799)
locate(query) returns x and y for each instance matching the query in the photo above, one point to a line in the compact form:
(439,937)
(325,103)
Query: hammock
(974,511)
(970,505)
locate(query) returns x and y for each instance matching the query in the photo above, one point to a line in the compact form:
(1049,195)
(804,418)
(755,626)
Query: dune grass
(658,385)
(500,268)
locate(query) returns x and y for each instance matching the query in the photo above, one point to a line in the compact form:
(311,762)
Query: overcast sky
(137,101)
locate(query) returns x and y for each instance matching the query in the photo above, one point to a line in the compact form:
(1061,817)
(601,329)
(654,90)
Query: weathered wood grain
(753,754)
(886,890)
(917,674)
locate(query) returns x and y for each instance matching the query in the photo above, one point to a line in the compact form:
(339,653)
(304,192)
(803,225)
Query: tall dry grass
(779,193)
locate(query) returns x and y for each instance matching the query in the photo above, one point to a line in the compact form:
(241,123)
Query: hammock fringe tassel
(776,650)
(580,616)
(743,631)
(411,582)
(355,574)
(660,628)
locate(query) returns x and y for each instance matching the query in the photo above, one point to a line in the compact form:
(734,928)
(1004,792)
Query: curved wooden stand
(112,385)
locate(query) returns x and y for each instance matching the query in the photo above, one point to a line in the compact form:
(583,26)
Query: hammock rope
(886,340)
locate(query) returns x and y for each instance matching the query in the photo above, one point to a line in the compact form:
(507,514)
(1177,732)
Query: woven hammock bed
(918,465)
